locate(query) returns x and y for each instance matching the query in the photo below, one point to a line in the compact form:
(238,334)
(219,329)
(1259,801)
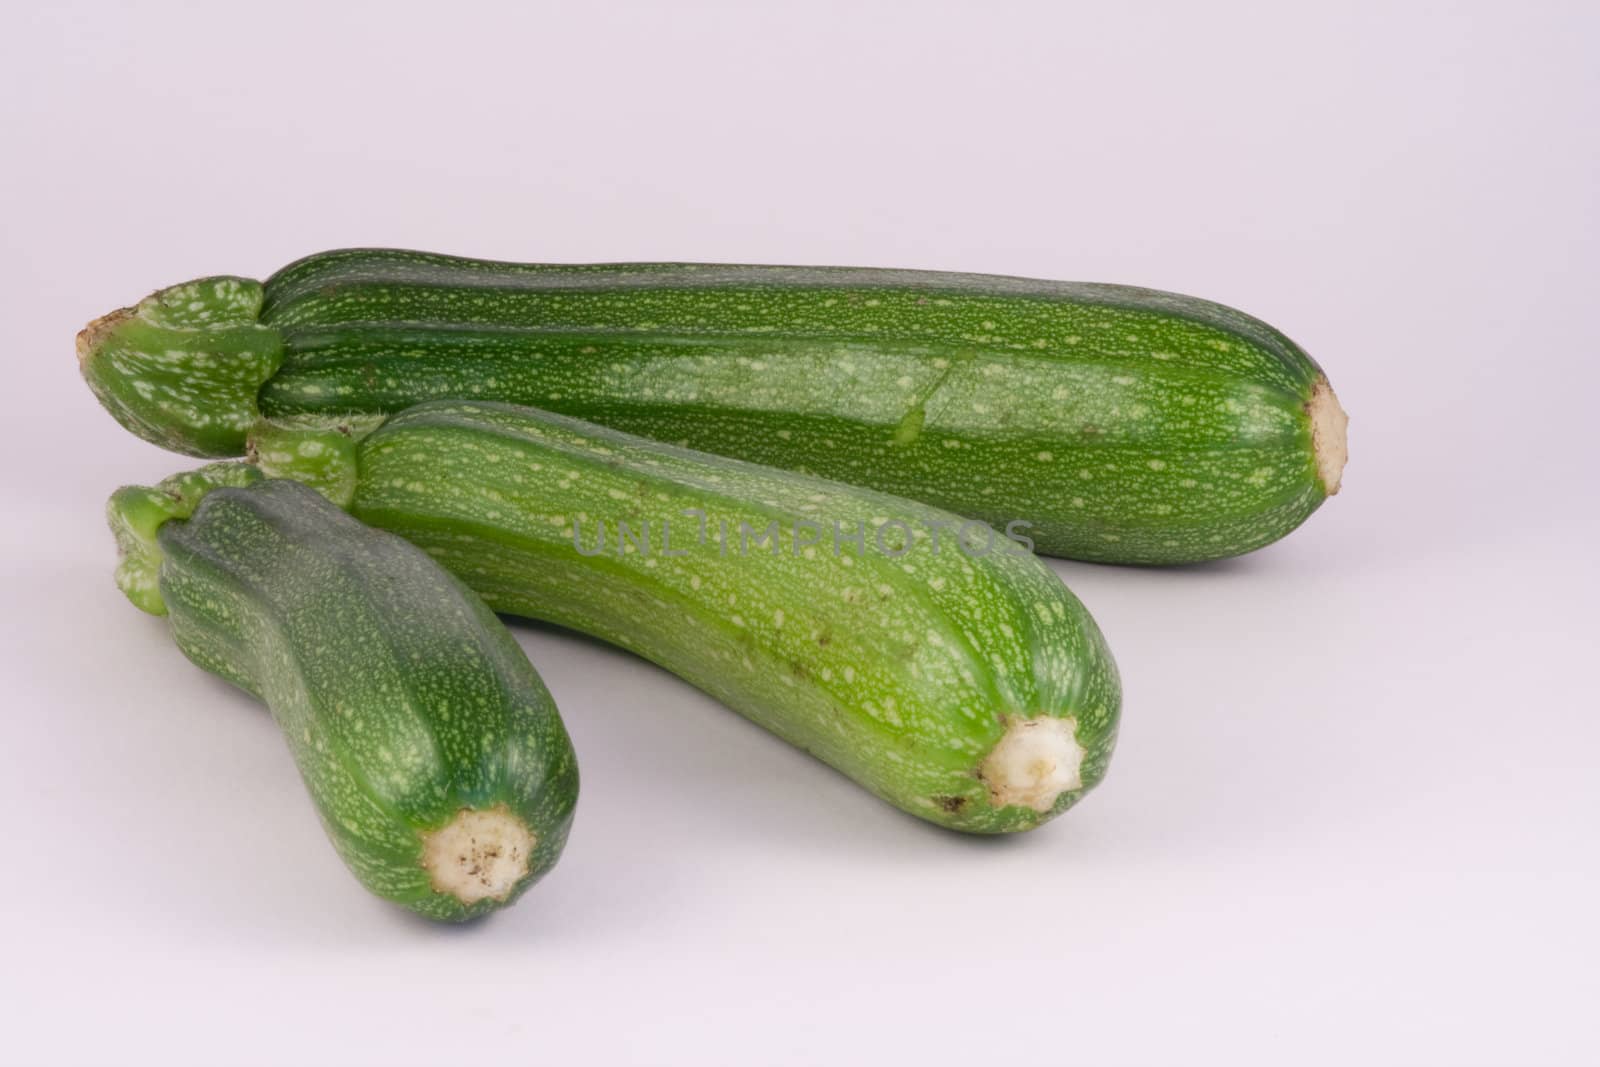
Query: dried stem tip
(1034,762)
(1328,440)
(478,855)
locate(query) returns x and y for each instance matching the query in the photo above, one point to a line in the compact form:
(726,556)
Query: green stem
(136,513)
(182,369)
(317,450)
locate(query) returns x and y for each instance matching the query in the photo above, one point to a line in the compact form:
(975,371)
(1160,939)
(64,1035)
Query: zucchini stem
(319,450)
(136,514)
(1328,435)
(182,369)
(1034,762)
(478,855)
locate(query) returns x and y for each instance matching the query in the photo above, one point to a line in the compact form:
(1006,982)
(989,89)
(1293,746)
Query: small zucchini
(433,753)
(1124,425)
(950,673)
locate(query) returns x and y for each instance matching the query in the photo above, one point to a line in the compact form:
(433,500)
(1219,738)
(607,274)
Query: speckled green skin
(900,672)
(1128,425)
(403,699)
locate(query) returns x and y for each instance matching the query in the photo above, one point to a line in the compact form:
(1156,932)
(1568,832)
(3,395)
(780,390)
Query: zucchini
(951,674)
(1124,425)
(434,755)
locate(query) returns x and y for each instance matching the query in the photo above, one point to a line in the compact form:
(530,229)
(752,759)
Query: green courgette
(1121,424)
(949,672)
(432,751)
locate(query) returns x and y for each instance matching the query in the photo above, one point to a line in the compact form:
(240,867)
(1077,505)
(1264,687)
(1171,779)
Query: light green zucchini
(954,676)
(433,753)
(1124,425)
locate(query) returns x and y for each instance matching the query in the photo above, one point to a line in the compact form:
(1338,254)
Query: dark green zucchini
(432,750)
(1120,424)
(949,672)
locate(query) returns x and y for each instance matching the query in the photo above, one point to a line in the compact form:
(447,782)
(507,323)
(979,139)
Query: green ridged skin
(430,747)
(1127,425)
(913,670)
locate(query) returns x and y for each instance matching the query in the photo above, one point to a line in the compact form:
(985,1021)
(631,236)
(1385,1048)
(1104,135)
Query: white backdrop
(1353,812)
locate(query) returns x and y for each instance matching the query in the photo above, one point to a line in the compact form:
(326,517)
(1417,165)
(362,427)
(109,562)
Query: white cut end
(478,855)
(1034,762)
(1328,442)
